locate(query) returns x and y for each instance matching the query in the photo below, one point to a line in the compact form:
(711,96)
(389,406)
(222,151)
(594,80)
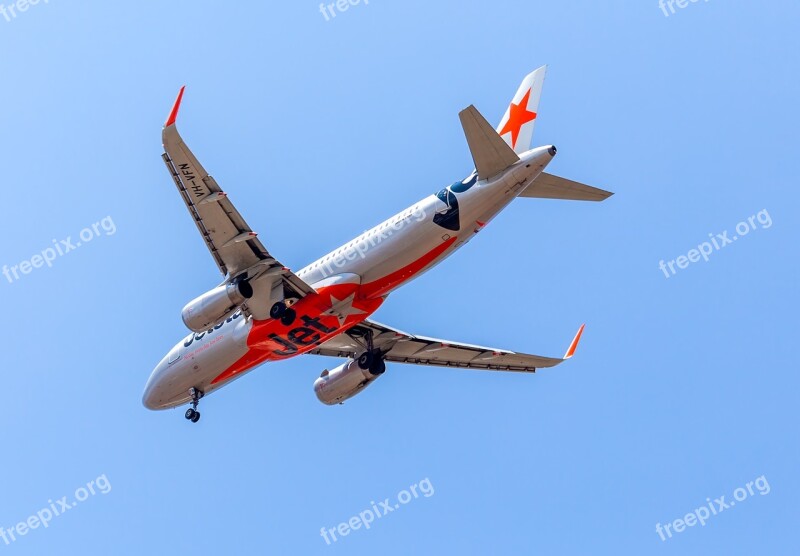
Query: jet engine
(216,305)
(345,381)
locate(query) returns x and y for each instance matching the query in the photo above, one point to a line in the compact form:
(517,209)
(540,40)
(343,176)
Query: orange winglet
(173,115)
(574,345)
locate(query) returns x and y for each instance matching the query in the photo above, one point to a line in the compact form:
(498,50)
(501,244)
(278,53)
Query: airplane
(262,311)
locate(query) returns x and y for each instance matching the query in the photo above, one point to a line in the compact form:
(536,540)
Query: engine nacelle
(343,382)
(216,305)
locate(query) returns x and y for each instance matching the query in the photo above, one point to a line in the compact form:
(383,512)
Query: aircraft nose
(150,397)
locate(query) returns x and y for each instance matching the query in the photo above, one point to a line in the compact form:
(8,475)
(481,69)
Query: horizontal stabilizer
(548,186)
(490,152)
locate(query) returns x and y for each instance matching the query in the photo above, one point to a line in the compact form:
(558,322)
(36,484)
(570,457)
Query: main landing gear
(192,414)
(372,359)
(282,311)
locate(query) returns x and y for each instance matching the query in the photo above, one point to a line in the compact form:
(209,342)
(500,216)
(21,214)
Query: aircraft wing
(234,246)
(401,347)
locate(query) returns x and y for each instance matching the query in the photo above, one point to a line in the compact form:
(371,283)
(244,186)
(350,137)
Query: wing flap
(213,220)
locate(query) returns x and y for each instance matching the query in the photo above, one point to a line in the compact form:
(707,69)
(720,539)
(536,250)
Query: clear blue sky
(684,388)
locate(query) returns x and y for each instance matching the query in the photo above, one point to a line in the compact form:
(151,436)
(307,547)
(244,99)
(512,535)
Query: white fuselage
(409,235)
(370,267)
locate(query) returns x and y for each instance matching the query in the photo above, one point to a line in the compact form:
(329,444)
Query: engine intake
(343,382)
(215,306)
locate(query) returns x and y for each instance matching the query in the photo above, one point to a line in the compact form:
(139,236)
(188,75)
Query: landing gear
(289,316)
(372,359)
(366,359)
(192,414)
(283,312)
(378,366)
(278,310)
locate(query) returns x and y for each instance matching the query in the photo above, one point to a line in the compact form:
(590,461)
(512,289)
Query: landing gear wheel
(288,316)
(277,310)
(366,360)
(192,414)
(378,366)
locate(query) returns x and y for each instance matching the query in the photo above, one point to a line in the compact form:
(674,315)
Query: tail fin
(516,127)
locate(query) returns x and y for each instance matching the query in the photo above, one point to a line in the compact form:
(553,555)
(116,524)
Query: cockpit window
(175,355)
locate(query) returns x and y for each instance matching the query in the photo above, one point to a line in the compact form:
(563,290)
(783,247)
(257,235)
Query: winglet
(173,115)
(574,345)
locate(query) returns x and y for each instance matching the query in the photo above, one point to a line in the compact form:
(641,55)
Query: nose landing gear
(192,414)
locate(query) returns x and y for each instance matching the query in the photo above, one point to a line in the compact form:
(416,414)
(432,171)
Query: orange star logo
(518,116)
